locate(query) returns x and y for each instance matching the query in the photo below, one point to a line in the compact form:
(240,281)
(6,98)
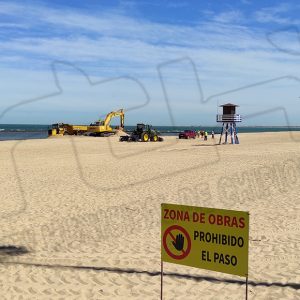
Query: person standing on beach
(212,134)
(205,136)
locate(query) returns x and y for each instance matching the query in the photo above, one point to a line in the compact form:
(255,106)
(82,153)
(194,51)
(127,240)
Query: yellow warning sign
(206,238)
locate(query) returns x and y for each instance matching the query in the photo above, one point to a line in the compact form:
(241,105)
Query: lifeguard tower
(229,118)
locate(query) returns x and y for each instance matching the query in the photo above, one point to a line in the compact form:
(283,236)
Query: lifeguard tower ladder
(229,118)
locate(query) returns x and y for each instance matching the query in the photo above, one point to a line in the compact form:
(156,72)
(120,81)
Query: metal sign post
(247,287)
(161,279)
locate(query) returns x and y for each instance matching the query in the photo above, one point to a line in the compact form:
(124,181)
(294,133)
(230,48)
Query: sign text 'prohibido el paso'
(206,238)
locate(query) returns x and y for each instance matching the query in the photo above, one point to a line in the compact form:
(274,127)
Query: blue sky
(165,62)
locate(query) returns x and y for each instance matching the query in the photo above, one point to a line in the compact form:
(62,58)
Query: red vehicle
(187,134)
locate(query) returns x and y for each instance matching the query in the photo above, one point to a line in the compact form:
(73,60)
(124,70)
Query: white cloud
(274,14)
(233,16)
(7,8)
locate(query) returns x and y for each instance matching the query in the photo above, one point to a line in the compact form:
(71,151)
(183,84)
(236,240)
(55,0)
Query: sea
(28,131)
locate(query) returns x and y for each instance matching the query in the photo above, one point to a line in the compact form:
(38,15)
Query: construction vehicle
(98,128)
(143,133)
(56,129)
(102,127)
(66,129)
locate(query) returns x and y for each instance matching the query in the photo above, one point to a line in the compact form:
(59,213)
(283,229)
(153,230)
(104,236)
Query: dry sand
(95,202)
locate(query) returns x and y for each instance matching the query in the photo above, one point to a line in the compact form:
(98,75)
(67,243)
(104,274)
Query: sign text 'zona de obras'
(206,238)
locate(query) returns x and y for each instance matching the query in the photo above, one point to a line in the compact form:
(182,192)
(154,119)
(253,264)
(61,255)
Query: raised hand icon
(179,242)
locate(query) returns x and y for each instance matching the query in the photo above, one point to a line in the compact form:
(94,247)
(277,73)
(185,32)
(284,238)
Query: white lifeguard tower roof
(229,104)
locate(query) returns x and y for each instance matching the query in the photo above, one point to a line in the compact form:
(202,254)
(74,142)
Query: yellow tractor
(102,127)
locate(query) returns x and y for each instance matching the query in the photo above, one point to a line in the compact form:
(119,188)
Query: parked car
(188,134)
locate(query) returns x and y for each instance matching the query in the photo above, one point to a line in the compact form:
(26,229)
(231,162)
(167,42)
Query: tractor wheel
(155,138)
(145,137)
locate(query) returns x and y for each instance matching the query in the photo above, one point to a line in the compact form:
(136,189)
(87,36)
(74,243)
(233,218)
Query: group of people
(204,134)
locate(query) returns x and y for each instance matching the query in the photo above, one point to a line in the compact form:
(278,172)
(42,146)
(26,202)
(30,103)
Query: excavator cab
(97,123)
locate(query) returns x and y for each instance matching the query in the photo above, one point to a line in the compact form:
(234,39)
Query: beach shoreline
(27,135)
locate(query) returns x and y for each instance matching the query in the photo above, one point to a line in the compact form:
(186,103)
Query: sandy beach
(88,212)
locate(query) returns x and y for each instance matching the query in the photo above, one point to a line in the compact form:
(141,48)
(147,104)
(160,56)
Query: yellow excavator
(102,127)
(98,128)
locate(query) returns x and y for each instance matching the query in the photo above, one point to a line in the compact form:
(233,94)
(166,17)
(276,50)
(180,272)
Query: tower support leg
(229,128)
(226,133)
(235,135)
(220,140)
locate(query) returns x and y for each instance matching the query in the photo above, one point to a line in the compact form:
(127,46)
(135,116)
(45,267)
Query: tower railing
(229,118)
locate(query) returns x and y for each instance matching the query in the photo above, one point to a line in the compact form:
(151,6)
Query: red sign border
(189,245)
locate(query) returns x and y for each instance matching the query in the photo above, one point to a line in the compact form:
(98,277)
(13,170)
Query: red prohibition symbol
(168,231)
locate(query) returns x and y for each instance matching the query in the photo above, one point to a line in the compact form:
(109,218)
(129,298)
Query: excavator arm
(104,126)
(118,113)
